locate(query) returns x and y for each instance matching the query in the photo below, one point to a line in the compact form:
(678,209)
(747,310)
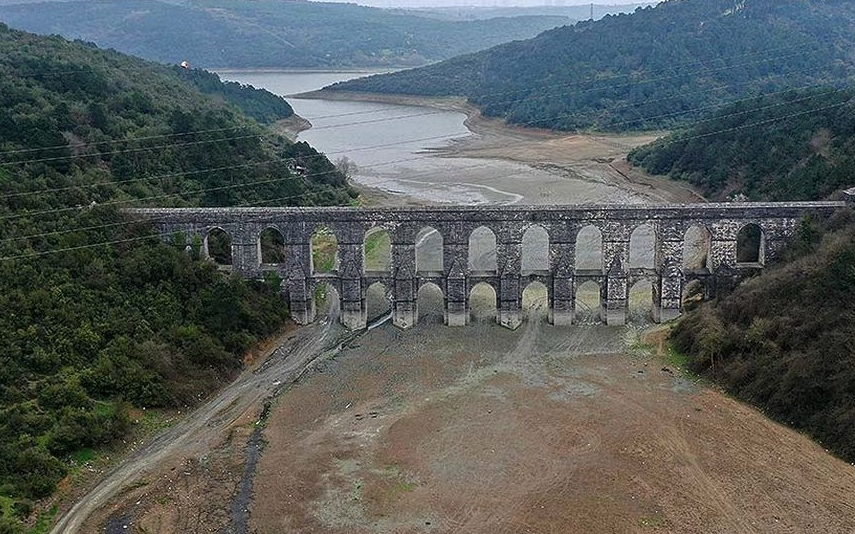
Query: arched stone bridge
(717,224)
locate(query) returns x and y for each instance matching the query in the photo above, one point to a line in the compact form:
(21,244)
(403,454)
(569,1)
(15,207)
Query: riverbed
(414,154)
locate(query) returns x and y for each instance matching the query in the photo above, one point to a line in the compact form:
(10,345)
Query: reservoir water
(391,148)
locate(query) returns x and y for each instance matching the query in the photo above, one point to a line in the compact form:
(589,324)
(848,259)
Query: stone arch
(483,302)
(378,301)
(271,246)
(589,249)
(324,249)
(751,244)
(535,300)
(696,248)
(428,247)
(377,250)
(430,304)
(642,247)
(327,301)
(588,303)
(535,249)
(483,250)
(639,309)
(217,246)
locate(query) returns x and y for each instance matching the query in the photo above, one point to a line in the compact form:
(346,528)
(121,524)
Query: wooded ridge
(271,33)
(100,315)
(657,68)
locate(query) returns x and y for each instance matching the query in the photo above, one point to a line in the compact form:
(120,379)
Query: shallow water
(390,146)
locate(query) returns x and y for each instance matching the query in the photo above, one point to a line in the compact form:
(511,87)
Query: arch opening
(642,247)
(482,250)
(535,249)
(589,249)
(696,248)
(535,301)
(482,303)
(271,246)
(430,304)
(218,246)
(377,250)
(378,301)
(588,303)
(750,244)
(327,301)
(324,247)
(429,250)
(640,303)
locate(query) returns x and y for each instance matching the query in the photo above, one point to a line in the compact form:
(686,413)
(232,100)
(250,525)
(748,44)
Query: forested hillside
(657,68)
(269,33)
(797,145)
(785,341)
(98,313)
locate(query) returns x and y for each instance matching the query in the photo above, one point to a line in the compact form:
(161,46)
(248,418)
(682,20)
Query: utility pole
(592,12)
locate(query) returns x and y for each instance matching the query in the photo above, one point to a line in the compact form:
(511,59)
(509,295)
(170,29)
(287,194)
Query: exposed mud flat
(480,429)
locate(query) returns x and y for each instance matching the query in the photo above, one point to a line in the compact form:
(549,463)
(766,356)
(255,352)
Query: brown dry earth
(542,430)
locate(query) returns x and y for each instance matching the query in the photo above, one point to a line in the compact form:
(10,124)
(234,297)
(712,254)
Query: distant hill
(269,33)
(656,68)
(798,145)
(574,12)
(99,314)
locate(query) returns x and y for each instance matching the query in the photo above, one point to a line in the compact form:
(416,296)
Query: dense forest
(785,341)
(656,68)
(270,33)
(797,145)
(99,314)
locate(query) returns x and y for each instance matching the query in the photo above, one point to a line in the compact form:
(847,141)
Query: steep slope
(783,341)
(655,68)
(269,33)
(98,313)
(797,145)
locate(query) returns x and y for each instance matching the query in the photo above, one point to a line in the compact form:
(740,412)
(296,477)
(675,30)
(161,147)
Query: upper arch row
(408,234)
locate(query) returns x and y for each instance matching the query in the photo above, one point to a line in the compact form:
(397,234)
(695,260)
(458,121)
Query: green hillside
(656,68)
(270,33)
(783,341)
(797,145)
(98,313)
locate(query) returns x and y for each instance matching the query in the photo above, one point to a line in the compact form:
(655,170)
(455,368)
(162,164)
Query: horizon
(475,4)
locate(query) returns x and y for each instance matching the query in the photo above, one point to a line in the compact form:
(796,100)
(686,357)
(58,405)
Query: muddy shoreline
(599,157)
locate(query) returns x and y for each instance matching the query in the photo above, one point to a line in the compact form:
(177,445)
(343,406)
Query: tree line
(100,315)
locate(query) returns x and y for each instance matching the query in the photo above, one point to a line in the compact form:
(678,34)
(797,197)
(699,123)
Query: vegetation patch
(103,317)
(657,68)
(783,340)
(787,146)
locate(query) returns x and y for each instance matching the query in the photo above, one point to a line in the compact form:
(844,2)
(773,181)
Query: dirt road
(205,428)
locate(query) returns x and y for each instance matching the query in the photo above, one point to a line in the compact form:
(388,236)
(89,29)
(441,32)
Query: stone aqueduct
(721,223)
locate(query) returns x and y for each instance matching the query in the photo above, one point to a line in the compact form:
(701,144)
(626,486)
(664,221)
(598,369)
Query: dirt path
(205,428)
